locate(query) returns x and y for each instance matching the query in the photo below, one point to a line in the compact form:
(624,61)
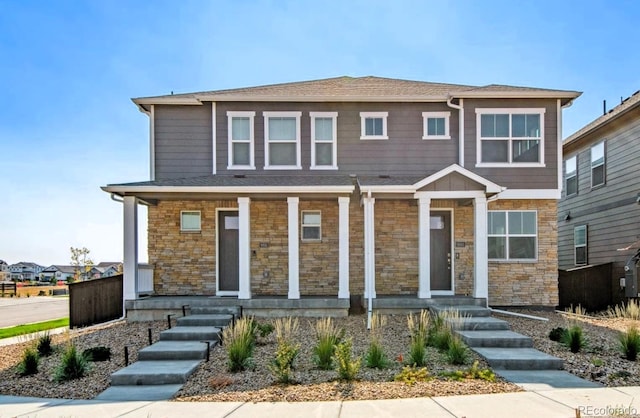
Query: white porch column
(480,245)
(424,247)
(294,249)
(244,248)
(343,248)
(130,256)
(369,248)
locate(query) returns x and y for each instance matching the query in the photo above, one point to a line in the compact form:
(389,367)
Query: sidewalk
(561,403)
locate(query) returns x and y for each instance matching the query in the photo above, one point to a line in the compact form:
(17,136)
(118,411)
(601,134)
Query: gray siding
(610,211)
(515,178)
(183,145)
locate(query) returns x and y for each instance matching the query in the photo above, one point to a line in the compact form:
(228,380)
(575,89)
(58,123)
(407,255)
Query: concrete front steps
(162,368)
(510,354)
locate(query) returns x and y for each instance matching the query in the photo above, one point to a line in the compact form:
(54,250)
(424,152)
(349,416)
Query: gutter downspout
(460,109)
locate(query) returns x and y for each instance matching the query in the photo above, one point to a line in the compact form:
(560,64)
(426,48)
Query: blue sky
(69,68)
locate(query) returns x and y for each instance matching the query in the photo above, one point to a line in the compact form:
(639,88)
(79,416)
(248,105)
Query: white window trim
(435,115)
(507,236)
(567,176)
(334,142)
(230,116)
(182,229)
(267,115)
(585,245)
(604,164)
(363,128)
(509,111)
(302,226)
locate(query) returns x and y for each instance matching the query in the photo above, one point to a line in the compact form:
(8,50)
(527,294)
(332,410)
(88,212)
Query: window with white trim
(580,245)
(597,164)
(373,125)
(190,220)
(436,125)
(510,137)
(513,235)
(282,140)
(311,225)
(571,176)
(240,140)
(324,140)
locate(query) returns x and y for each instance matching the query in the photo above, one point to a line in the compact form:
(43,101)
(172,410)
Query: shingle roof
(355,88)
(629,103)
(388,180)
(245,181)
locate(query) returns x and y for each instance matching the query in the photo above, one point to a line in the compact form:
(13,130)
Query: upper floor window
(436,125)
(597,164)
(373,125)
(241,142)
(510,137)
(324,134)
(580,244)
(513,235)
(190,220)
(282,140)
(571,176)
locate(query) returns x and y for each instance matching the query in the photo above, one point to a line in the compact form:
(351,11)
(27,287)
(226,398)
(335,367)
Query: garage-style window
(190,221)
(513,235)
(311,225)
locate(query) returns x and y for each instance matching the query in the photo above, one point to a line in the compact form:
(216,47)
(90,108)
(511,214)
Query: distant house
(351,186)
(108,269)
(58,272)
(599,212)
(25,271)
(4,271)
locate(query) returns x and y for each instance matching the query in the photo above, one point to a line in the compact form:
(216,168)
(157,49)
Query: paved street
(18,311)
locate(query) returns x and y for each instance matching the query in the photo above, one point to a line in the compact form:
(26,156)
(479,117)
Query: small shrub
(328,337)
(263,330)
(239,342)
(347,368)
(99,353)
(29,362)
(282,365)
(557,334)
(630,343)
(597,362)
(473,372)
(73,366)
(44,345)
(457,352)
(220,382)
(574,339)
(409,375)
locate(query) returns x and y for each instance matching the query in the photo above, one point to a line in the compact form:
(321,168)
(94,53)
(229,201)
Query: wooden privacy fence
(8,287)
(95,301)
(592,287)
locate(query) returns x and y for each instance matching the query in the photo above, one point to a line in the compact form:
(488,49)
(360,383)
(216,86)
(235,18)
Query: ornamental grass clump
(630,343)
(376,358)
(44,345)
(73,366)
(29,362)
(282,366)
(630,310)
(574,338)
(457,353)
(239,342)
(346,366)
(419,330)
(328,336)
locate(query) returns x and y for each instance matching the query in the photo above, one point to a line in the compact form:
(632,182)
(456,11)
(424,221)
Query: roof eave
(577,136)
(132,190)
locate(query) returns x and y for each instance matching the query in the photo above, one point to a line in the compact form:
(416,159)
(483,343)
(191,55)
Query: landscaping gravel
(600,362)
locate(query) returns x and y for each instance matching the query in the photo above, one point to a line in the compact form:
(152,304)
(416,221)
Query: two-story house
(25,271)
(599,213)
(348,186)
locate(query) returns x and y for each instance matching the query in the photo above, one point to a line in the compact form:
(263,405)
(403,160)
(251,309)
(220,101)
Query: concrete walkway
(561,403)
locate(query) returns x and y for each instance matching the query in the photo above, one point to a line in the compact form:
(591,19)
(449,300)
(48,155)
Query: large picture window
(571,176)
(324,134)
(241,140)
(597,165)
(513,137)
(282,140)
(513,235)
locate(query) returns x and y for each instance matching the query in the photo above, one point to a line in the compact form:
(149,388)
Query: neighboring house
(599,213)
(108,269)
(25,271)
(59,272)
(4,271)
(352,187)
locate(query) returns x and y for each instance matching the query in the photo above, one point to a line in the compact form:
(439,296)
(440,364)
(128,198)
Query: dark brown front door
(440,224)
(228,251)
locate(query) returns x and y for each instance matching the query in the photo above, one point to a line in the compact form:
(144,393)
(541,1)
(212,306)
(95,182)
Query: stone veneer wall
(396,244)
(356,246)
(269,248)
(528,283)
(184,262)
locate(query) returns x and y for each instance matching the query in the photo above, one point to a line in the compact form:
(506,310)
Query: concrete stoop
(162,368)
(510,354)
